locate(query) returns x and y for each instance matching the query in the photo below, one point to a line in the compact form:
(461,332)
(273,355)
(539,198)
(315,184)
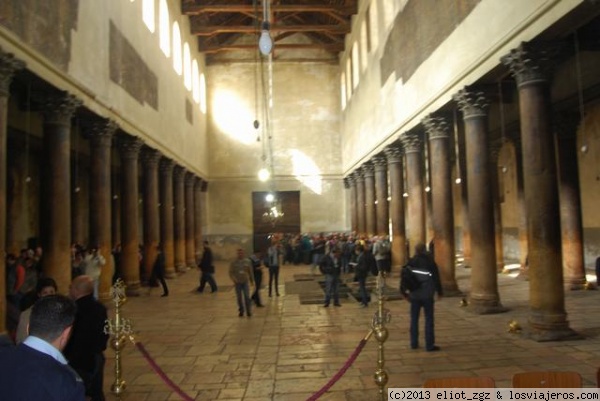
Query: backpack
(418,282)
(385,247)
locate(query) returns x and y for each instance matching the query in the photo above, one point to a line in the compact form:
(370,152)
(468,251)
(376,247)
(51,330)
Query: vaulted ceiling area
(229,30)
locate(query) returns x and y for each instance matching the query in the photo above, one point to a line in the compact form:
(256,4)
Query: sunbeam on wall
(306,171)
(233,116)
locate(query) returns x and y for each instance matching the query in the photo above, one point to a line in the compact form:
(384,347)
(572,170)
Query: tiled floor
(288,351)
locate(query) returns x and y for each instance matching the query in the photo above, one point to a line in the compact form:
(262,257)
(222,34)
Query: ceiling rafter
(196,9)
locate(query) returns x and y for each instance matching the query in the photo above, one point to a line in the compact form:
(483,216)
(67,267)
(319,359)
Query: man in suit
(36,369)
(85,350)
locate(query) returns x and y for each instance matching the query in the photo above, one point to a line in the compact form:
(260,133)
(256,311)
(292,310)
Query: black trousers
(258,276)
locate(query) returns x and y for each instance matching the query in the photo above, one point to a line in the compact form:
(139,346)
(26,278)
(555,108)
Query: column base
(575,283)
(170,273)
(546,326)
(181,268)
(133,289)
(482,306)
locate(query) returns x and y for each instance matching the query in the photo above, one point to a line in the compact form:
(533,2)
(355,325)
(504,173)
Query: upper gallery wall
(406,58)
(133,61)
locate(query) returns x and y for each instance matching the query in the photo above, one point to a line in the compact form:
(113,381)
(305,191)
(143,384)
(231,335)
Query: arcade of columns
(171,198)
(541,240)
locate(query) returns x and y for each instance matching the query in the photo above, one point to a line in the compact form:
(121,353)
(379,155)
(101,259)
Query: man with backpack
(420,280)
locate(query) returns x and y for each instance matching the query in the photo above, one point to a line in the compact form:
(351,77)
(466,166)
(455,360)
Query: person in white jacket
(92,266)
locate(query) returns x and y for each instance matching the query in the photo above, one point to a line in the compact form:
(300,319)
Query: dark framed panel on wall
(263,227)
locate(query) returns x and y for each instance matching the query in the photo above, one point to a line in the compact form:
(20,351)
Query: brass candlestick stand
(381,317)
(120,330)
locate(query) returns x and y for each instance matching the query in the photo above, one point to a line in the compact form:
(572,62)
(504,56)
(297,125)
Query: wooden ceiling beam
(203,30)
(195,9)
(335,47)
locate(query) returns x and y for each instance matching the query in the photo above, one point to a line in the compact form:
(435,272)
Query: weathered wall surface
(103,53)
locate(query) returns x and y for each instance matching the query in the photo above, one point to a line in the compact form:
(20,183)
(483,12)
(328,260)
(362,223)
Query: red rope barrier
(343,370)
(161,373)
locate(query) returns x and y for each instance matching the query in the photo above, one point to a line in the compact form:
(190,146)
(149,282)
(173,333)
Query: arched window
(348,79)
(164,27)
(355,66)
(177,49)
(187,66)
(202,94)
(343,90)
(195,82)
(148,14)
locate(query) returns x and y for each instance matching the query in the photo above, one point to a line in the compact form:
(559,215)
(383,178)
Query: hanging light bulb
(270,197)
(265,43)
(264,174)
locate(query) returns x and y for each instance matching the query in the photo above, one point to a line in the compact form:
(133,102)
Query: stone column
(565,126)
(179,217)
(393,153)
(531,63)
(56,187)
(464,199)
(150,159)
(522,209)
(484,297)
(198,216)
(130,263)
(494,150)
(353,203)
(100,134)
(381,191)
(370,213)
(360,202)
(8,66)
(413,148)
(190,246)
(441,196)
(116,211)
(166,215)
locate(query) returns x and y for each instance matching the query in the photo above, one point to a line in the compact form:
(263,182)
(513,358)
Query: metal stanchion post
(120,330)
(381,317)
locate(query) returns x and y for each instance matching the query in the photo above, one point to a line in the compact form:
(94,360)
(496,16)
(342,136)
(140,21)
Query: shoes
(326,305)
(414,346)
(213,291)
(241,314)
(277,294)
(337,304)
(164,295)
(364,305)
(249,314)
(200,290)
(434,348)
(260,306)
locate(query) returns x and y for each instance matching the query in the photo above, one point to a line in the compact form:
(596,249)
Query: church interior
(469,125)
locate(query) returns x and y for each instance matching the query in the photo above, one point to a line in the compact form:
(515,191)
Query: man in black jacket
(36,369)
(426,274)
(208,269)
(85,350)
(331,266)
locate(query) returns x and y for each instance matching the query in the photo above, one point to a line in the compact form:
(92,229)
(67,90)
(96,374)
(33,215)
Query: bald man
(85,350)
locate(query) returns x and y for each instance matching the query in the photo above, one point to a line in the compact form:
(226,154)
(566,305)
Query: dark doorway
(289,202)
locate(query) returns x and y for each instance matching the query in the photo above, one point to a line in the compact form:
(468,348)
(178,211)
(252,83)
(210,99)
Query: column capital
(412,142)
(58,108)
(368,169)
(347,183)
(533,62)
(100,132)
(380,162)
(566,124)
(179,174)
(166,166)
(472,102)
(437,127)
(190,179)
(130,146)
(198,184)
(150,157)
(8,66)
(393,153)
(359,174)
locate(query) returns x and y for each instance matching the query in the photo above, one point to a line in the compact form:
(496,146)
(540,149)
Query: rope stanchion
(343,370)
(161,373)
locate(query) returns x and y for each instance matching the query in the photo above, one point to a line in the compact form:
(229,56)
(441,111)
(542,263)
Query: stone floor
(288,350)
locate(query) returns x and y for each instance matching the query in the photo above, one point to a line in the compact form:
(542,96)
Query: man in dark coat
(85,350)
(159,271)
(426,272)
(36,369)
(208,269)
(331,266)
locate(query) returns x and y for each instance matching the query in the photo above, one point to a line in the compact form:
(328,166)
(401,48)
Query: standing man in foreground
(420,291)
(85,350)
(36,369)
(240,272)
(331,267)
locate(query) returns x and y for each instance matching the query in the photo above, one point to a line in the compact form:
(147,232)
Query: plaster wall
(377,112)
(83,67)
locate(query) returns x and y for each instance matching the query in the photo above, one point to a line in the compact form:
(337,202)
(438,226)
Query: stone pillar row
(549,189)
(174,222)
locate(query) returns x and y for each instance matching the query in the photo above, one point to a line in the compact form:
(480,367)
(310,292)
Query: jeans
(274,276)
(242,293)
(415,310)
(207,278)
(332,289)
(362,290)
